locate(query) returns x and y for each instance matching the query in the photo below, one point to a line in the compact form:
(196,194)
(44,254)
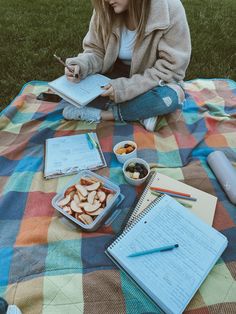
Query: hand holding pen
(71,71)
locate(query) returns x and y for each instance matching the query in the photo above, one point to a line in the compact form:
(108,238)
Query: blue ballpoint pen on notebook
(90,143)
(155,250)
(95,144)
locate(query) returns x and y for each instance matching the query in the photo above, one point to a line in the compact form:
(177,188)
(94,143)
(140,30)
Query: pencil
(65,65)
(169,191)
(178,196)
(182,203)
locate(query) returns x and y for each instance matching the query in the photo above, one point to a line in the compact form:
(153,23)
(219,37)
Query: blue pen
(155,250)
(90,144)
(95,144)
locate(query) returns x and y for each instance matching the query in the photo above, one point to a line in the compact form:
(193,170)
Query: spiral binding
(136,210)
(135,221)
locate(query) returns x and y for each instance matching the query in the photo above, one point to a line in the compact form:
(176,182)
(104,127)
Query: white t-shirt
(127,42)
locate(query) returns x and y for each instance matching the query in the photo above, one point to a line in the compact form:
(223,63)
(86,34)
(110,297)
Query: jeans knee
(178,90)
(170,104)
(168,99)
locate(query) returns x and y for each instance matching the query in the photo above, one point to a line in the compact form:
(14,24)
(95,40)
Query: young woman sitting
(144,46)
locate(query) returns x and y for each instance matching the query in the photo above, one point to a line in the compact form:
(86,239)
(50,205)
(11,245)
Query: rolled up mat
(224,172)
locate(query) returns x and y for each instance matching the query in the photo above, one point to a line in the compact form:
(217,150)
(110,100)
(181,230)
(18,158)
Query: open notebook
(67,155)
(204,207)
(79,94)
(169,278)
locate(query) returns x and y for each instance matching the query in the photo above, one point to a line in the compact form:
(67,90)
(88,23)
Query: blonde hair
(105,17)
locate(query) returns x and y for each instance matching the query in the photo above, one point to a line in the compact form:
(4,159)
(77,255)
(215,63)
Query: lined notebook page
(68,154)
(170,278)
(80,93)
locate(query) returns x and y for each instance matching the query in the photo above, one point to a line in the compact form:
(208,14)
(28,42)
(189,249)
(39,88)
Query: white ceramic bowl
(122,158)
(131,180)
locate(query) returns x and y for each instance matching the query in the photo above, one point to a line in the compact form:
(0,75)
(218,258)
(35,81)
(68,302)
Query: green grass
(32,31)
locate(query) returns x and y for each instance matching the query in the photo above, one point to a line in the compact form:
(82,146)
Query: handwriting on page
(83,91)
(171,276)
(66,152)
(84,86)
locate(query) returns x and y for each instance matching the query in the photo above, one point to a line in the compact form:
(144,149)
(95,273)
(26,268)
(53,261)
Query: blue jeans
(158,101)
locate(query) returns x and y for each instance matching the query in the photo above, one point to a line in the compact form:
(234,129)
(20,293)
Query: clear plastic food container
(109,212)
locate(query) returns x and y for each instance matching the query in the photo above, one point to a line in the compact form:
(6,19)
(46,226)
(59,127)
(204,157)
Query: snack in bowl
(125,150)
(86,199)
(136,171)
(128,148)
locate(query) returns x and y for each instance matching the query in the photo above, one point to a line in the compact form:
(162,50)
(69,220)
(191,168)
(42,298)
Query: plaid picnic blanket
(48,266)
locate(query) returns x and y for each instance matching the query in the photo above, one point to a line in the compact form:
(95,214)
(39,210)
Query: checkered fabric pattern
(49,266)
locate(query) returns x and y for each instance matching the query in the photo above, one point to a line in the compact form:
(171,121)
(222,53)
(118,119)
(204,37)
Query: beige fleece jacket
(163,55)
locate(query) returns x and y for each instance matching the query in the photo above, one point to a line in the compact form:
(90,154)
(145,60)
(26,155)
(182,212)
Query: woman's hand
(109,92)
(72,70)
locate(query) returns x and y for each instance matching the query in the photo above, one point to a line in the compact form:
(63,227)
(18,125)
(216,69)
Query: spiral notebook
(169,278)
(204,207)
